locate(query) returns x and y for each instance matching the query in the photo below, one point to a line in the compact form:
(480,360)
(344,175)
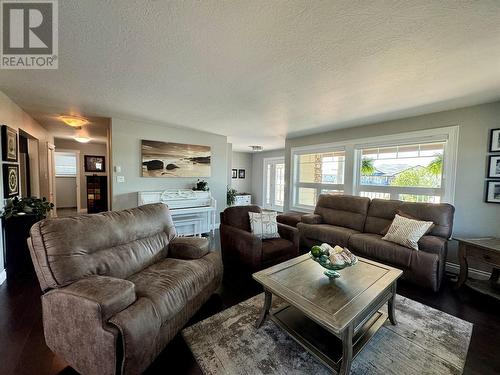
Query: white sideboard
(243,200)
(193,212)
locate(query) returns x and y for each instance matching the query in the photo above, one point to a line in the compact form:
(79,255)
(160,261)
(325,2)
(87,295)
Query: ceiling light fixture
(82,139)
(257,148)
(74,121)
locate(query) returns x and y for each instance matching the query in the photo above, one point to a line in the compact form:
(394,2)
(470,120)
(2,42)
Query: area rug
(425,341)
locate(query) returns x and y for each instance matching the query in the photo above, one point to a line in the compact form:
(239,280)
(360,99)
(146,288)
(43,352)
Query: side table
(485,250)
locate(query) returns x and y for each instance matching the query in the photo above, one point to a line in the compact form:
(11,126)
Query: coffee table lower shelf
(325,346)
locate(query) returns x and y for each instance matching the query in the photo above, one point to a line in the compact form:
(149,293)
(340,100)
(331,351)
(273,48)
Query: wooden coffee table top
(331,303)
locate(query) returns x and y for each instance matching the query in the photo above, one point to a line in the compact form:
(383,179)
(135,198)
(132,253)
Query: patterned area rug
(425,341)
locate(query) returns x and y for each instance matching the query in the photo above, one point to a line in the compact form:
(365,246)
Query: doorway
(274,184)
(67,182)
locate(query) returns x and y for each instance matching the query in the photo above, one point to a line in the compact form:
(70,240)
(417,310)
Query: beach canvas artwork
(166,159)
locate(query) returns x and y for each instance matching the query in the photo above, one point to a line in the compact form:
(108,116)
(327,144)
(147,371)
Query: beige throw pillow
(264,225)
(407,232)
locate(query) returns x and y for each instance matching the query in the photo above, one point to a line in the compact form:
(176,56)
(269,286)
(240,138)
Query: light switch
(120,179)
(118,168)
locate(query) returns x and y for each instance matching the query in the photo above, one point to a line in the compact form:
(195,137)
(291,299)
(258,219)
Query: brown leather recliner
(241,250)
(118,286)
(359,224)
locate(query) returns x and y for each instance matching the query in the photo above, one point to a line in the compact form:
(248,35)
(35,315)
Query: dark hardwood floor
(23,349)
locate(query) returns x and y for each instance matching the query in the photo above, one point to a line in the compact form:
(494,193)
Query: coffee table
(331,318)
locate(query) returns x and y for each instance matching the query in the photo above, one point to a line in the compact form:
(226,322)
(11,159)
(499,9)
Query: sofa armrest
(108,294)
(75,322)
(188,247)
(242,245)
(312,219)
(289,233)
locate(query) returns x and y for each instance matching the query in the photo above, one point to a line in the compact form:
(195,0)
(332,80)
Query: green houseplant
(231,196)
(39,207)
(201,185)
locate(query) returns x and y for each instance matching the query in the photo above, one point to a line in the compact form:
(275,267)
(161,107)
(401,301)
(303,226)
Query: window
(414,167)
(274,183)
(318,173)
(409,172)
(65,164)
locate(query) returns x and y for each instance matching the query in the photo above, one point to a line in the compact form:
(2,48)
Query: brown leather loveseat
(359,224)
(118,286)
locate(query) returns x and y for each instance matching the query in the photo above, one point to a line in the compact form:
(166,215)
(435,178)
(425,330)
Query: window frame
(352,149)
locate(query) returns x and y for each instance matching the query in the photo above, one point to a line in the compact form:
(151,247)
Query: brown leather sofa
(359,224)
(243,251)
(118,286)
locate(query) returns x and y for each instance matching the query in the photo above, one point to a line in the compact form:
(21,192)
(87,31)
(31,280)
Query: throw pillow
(408,216)
(264,224)
(407,232)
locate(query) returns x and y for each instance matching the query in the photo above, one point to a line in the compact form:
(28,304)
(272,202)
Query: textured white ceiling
(258,71)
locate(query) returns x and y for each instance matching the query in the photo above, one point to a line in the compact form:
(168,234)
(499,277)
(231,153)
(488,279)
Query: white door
(274,183)
(51,174)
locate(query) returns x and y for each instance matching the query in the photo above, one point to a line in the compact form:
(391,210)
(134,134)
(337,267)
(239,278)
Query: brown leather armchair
(243,250)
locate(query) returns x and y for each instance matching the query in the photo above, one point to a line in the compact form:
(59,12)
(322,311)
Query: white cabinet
(243,200)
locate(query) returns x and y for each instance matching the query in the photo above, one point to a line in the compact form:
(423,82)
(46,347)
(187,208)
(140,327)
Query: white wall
(97,149)
(126,152)
(258,173)
(13,116)
(473,216)
(242,160)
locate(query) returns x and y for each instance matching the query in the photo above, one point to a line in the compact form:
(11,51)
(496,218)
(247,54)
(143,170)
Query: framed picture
(241,173)
(493,191)
(235,173)
(495,140)
(10,180)
(167,159)
(494,167)
(9,144)
(94,163)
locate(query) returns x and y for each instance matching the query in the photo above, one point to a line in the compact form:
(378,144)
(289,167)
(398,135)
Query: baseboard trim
(3,276)
(474,272)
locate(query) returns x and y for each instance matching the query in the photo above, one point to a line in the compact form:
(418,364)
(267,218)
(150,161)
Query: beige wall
(98,149)
(473,216)
(126,153)
(242,160)
(12,115)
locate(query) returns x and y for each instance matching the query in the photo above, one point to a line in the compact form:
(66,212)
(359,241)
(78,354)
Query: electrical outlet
(120,179)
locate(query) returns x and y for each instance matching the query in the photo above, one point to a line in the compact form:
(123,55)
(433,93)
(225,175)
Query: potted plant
(38,207)
(201,185)
(231,196)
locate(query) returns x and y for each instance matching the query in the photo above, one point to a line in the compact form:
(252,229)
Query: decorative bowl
(331,268)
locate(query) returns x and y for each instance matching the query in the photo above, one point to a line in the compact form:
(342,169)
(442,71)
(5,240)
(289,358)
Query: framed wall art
(9,144)
(495,140)
(241,173)
(93,163)
(10,180)
(492,192)
(167,159)
(494,166)
(234,173)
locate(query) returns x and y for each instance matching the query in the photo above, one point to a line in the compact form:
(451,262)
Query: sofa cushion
(407,232)
(380,215)
(331,234)
(343,210)
(264,224)
(171,283)
(290,218)
(275,248)
(374,247)
(433,244)
(237,216)
(440,214)
(116,244)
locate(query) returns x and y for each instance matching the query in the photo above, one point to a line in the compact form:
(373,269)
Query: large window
(274,183)
(318,173)
(415,167)
(409,172)
(65,164)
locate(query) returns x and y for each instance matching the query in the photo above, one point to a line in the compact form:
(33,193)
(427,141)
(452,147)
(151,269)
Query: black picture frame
(492,196)
(241,173)
(91,163)
(495,140)
(494,162)
(10,180)
(10,145)
(234,173)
